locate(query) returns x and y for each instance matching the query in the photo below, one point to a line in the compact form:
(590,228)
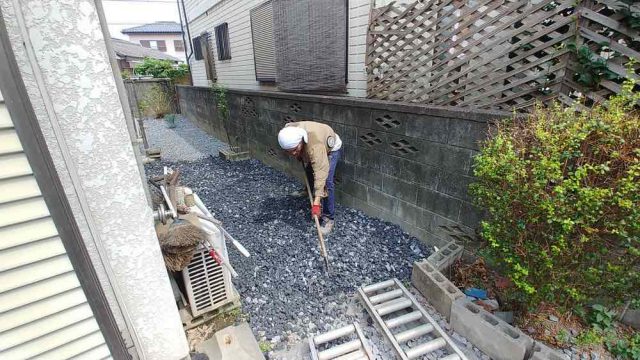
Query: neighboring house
(129,54)
(235,43)
(81,271)
(164,36)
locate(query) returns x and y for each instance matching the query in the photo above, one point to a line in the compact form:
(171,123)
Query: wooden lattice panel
(487,53)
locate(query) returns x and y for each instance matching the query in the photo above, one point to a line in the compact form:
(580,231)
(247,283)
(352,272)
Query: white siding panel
(9,141)
(44,326)
(75,348)
(41,270)
(30,253)
(24,210)
(51,341)
(43,310)
(18,188)
(14,165)
(38,291)
(23,233)
(99,352)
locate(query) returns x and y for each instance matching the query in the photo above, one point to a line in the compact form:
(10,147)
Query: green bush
(161,69)
(562,193)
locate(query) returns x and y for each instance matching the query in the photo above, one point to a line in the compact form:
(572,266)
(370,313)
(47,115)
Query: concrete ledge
(446,256)
(543,352)
(488,333)
(230,155)
(435,287)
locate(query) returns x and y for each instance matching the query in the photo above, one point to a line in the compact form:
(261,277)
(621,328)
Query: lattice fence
(497,54)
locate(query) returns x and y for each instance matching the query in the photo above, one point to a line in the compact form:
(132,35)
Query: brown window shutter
(264,51)
(178,45)
(145,43)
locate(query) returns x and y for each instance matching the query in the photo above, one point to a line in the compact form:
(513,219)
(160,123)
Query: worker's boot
(327,226)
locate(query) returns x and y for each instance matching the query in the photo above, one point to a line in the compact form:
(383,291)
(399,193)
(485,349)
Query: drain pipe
(186,22)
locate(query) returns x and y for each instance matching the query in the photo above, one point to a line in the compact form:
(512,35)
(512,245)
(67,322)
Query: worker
(317,146)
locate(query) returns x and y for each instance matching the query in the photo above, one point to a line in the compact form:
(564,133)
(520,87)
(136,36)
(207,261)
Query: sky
(123,14)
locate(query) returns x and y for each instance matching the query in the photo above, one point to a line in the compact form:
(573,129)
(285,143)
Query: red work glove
(315,210)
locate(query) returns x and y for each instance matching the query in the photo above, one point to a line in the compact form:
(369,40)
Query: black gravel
(283,285)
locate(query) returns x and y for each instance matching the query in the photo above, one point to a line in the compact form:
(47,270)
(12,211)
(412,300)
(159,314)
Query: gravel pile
(283,285)
(185,142)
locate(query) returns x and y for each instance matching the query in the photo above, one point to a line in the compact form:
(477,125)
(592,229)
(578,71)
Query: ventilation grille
(208,284)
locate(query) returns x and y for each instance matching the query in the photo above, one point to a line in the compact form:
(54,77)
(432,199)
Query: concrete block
(234,156)
(435,287)
(631,317)
(543,352)
(381,200)
(438,203)
(488,333)
(232,343)
(400,189)
(445,256)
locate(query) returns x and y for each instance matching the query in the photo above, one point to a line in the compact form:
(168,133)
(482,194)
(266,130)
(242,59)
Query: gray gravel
(185,142)
(283,286)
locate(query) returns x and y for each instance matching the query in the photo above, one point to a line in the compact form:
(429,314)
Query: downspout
(186,22)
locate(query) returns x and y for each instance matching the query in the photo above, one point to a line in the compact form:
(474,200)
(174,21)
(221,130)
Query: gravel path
(185,142)
(283,286)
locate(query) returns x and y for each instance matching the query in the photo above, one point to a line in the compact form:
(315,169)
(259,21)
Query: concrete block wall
(407,164)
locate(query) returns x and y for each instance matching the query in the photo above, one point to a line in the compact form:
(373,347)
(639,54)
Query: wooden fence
(498,54)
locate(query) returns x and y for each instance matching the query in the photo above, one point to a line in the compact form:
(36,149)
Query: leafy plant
(562,192)
(629,9)
(161,69)
(170,119)
(601,318)
(222,106)
(155,103)
(625,348)
(563,337)
(265,346)
(592,68)
(589,337)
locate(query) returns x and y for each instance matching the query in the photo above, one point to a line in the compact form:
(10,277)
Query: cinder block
(435,287)
(494,337)
(446,256)
(543,352)
(234,156)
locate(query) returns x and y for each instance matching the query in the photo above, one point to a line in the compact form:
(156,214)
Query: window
(160,45)
(197,48)
(222,41)
(264,51)
(178,45)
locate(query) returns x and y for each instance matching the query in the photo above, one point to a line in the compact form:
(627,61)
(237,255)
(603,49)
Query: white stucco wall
(239,71)
(168,39)
(63,60)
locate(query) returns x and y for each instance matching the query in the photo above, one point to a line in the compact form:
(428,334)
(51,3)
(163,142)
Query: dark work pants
(329,202)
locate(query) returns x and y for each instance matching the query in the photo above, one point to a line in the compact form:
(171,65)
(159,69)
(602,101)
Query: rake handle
(323,249)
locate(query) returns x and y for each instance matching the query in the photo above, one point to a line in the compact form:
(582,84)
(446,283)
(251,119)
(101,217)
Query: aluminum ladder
(402,319)
(355,349)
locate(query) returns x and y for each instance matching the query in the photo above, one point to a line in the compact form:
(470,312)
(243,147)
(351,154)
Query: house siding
(44,312)
(239,71)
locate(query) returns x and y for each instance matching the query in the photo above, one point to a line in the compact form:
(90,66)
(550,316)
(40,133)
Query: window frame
(222,41)
(178,42)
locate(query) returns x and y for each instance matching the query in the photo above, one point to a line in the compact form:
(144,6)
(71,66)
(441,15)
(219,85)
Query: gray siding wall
(407,164)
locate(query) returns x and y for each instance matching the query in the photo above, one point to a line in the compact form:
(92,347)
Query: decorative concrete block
(446,256)
(494,337)
(543,352)
(435,287)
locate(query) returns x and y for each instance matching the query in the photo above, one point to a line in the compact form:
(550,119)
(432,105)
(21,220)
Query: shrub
(155,103)
(161,69)
(562,194)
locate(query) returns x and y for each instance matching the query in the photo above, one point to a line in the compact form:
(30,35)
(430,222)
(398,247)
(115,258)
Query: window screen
(197,48)
(222,41)
(264,52)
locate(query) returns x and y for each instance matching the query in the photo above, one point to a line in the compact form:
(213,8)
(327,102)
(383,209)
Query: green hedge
(562,194)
